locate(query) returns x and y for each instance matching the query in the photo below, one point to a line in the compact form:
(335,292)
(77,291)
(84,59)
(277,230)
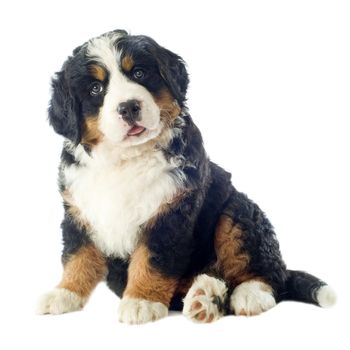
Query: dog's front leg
(148,291)
(160,260)
(83,270)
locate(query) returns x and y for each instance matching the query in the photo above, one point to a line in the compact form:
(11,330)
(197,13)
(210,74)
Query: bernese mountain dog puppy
(145,208)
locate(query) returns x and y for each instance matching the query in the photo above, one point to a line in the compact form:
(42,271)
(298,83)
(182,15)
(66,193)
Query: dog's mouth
(136,130)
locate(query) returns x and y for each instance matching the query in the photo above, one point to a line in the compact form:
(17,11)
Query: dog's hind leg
(252,292)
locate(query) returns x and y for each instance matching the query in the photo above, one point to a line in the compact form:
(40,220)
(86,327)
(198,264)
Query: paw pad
(196,305)
(203,302)
(199,292)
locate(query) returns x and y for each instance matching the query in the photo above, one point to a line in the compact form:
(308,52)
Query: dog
(144,208)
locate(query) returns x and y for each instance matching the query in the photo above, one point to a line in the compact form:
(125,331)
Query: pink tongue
(135,130)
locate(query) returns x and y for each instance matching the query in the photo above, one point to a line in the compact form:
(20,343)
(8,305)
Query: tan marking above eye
(97,72)
(127,63)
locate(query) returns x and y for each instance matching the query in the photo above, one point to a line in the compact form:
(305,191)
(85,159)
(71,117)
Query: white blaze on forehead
(103,50)
(121,89)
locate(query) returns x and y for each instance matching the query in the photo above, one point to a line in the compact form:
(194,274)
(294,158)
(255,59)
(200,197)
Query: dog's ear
(64,108)
(173,70)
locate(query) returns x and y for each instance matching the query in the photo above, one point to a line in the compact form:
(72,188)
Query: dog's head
(117,88)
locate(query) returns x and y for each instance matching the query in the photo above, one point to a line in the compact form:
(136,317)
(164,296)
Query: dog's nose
(130,111)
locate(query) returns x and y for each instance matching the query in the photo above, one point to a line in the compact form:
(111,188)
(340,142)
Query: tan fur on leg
(83,271)
(144,282)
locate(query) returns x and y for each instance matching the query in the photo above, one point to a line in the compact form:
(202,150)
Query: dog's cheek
(168,106)
(92,134)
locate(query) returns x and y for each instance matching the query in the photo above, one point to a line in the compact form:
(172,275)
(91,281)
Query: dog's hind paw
(204,301)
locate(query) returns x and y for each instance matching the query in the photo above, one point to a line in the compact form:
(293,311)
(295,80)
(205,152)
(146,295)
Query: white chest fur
(116,200)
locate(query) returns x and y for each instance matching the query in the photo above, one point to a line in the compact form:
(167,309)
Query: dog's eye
(96,88)
(138,73)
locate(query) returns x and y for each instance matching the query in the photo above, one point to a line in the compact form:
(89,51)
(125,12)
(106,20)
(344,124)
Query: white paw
(137,311)
(326,296)
(59,301)
(252,298)
(204,301)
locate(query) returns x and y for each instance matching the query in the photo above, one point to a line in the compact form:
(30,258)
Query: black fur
(74,237)
(117,276)
(64,108)
(259,239)
(301,286)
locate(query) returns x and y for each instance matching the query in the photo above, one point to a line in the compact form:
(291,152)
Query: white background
(270,84)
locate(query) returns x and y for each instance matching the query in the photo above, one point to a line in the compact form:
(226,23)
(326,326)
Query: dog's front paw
(59,301)
(137,311)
